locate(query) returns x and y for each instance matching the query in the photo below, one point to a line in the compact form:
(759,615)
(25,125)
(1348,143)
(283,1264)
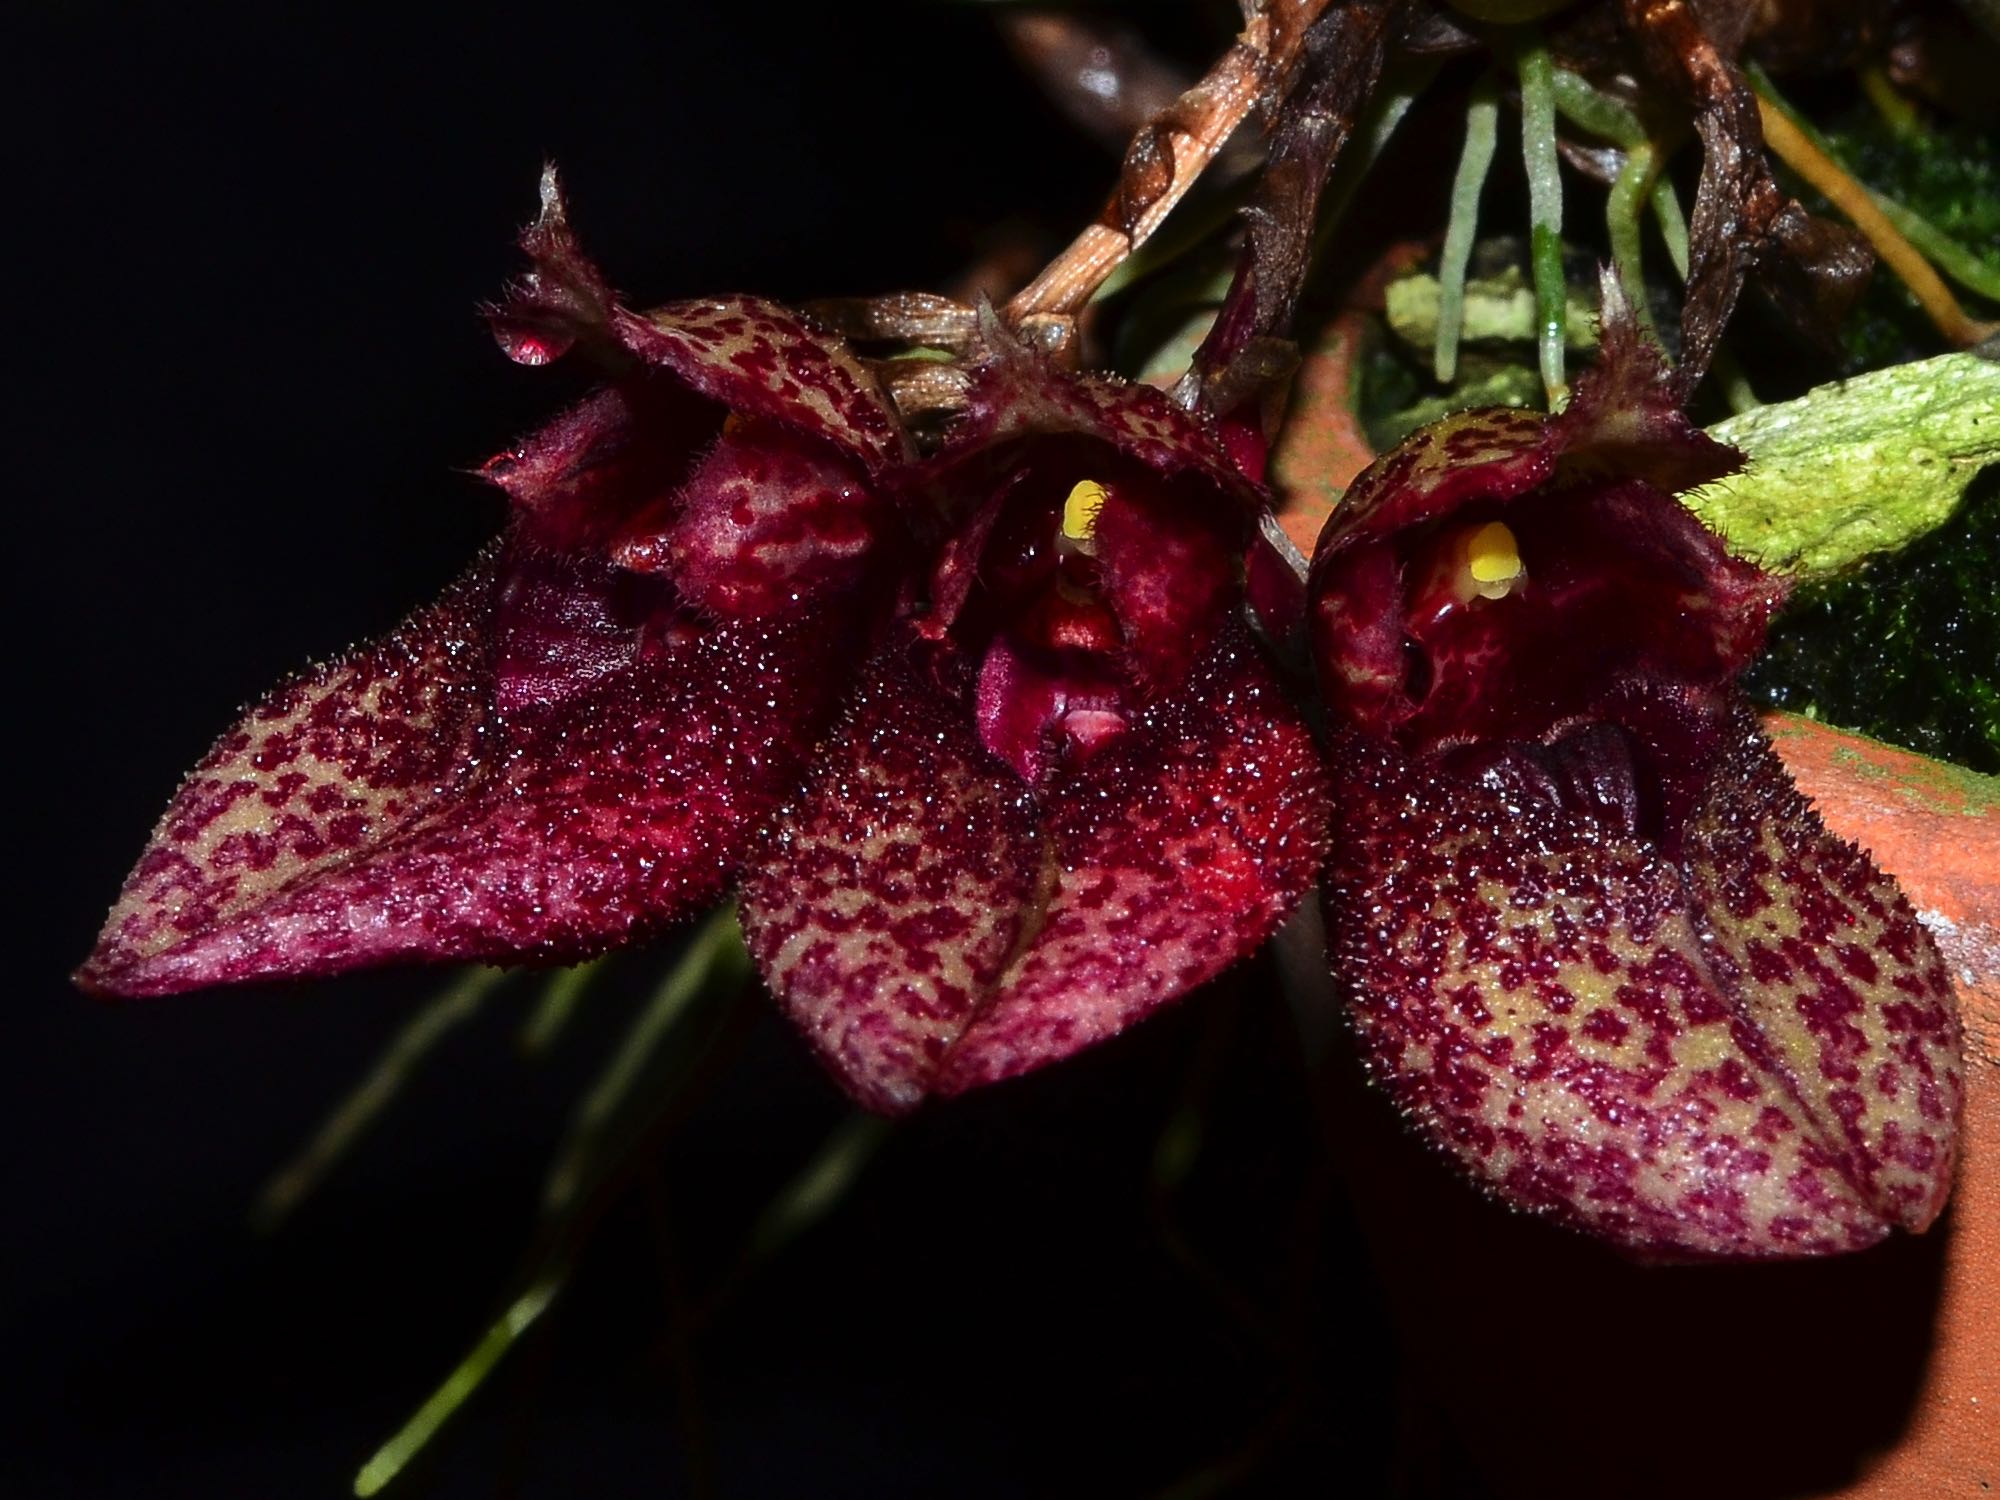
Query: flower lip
(1085,587)
(1091,550)
(935,922)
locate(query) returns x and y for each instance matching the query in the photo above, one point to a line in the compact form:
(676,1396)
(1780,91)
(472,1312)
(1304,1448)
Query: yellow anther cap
(1494,559)
(1080,512)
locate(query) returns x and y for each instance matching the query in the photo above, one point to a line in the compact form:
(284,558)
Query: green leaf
(1496,309)
(1858,467)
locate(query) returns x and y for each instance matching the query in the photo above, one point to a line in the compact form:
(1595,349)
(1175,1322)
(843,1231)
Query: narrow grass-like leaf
(1538,152)
(1807,155)
(1730,375)
(714,955)
(1482,133)
(556,1004)
(602,1135)
(1947,254)
(818,1188)
(1398,90)
(506,1330)
(293,1183)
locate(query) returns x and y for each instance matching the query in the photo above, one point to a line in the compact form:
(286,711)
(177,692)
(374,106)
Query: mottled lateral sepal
(1562,1009)
(1836,971)
(738,450)
(762,359)
(548,762)
(932,922)
(1016,393)
(746,354)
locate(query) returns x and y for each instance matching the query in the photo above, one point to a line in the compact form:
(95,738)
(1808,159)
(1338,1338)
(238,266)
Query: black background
(246,382)
(247,378)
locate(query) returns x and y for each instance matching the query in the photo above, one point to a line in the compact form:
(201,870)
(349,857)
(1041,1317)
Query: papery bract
(575,745)
(1597,946)
(1073,789)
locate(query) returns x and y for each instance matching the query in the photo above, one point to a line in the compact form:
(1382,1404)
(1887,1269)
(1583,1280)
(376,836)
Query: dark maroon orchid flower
(1598,947)
(1067,790)
(576,744)
(1071,789)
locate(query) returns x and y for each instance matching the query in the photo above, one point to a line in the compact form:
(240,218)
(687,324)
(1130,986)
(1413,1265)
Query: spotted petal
(933,925)
(766,521)
(1174,511)
(762,359)
(547,762)
(1747,1052)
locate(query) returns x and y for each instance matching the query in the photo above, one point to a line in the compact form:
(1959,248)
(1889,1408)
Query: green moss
(1907,650)
(1950,175)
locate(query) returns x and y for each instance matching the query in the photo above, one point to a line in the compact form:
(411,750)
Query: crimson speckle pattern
(766,521)
(1836,969)
(1567,1012)
(577,744)
(1017,395)
(934,924)
(1168,566)
(398,803)
(765,360)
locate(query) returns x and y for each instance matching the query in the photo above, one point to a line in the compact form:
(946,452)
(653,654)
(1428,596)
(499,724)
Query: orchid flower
(1064,788)
(1599,949)
(573,747)
(1072,789)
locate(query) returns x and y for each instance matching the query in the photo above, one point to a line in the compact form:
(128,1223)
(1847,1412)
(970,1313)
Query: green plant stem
(520,1315)
(1629,193)
(556,1004)
(714,951)
(1482,134)
(350,1119)
(1673,225)
(1538,152)
(1598,113)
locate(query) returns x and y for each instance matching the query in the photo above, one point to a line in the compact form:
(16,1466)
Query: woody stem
(1165,159)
